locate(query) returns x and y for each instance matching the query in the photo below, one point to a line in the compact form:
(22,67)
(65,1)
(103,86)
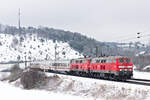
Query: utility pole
(55,57)
(55,51)
(138,60)
(19,26)
(96,51)
(138,37)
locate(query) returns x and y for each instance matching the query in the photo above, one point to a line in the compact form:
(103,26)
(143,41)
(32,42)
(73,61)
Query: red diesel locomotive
(111,67)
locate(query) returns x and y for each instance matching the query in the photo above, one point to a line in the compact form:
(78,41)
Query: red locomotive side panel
(113,66)
(100,64)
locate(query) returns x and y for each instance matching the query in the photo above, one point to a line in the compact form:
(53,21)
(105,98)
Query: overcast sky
(104,20)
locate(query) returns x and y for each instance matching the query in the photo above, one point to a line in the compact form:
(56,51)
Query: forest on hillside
(86,45)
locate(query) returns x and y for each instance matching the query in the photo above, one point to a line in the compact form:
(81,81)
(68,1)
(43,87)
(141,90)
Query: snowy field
(9,92)
(141,75)
(78,88)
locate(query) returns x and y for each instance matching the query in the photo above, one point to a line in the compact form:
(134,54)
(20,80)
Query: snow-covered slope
(76,88)
(32,47)
(9,92)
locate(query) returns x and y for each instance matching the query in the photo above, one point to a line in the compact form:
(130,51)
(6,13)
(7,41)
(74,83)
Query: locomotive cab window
(124,60)
(103,61)
(93,61)
(109,61)
(114,60)
(121,60)
(128,60)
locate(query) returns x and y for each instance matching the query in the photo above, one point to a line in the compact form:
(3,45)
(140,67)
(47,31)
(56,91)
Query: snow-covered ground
(9,92)
(102,89)
(32,47)
(78,88)
(141,75)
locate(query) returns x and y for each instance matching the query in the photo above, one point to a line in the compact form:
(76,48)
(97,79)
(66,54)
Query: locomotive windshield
(124,60)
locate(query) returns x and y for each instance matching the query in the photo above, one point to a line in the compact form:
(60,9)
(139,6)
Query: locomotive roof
(110,57)
(105,57)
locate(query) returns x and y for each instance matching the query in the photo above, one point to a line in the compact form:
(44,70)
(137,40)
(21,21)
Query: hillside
(39,43)
(31,47)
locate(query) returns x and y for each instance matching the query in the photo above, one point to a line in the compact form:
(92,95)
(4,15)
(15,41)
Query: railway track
(136,81)
(145,82)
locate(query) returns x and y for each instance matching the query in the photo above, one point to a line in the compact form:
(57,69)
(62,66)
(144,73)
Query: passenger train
(111,67)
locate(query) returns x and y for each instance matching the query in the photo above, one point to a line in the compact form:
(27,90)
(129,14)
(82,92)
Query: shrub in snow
(16,73)
(33,79)
(0,43)
(15,68)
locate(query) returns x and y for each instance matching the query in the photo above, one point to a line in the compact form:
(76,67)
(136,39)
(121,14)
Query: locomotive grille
(125,70)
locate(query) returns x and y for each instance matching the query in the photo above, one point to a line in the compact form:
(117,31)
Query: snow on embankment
(9,92)
(141,75)
(72,86)
(93,88)
(99,89)
(32,47)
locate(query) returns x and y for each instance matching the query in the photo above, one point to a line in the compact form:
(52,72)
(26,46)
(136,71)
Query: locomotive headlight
(121,66)
(129,66)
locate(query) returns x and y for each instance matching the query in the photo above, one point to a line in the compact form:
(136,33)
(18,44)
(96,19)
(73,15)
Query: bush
(15,68)
(33,79)
(16,73)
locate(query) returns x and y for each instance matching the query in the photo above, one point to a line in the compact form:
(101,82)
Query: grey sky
(102,19)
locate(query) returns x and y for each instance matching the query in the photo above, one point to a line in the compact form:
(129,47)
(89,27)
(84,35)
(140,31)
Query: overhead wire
(138,36)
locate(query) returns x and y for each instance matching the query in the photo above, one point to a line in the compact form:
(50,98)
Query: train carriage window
(80,61)
(76,61)
(84,61)
(128,60)
(72,61)
(109,61)
(121,60)
(114,61)
(93,61)
(97,61)
(104,61)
